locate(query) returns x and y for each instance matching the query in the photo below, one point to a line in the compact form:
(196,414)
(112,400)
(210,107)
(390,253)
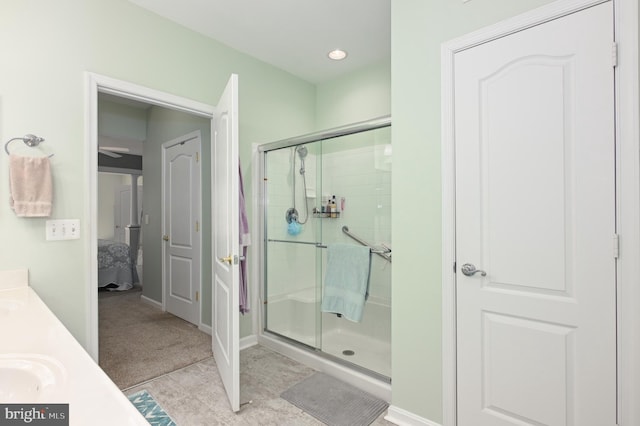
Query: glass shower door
(328,187)
(292,293)
(356,172)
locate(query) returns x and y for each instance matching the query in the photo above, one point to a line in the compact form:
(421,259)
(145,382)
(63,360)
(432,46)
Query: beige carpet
(139,342)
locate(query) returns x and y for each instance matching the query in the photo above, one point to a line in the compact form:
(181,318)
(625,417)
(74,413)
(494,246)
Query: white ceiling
(294,35)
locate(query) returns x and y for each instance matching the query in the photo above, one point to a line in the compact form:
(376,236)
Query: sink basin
(29,377)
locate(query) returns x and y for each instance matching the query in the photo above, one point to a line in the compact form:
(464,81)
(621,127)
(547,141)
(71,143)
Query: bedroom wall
(42,91)
(120,121)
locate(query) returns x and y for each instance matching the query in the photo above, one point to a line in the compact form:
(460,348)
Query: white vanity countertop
(30,331)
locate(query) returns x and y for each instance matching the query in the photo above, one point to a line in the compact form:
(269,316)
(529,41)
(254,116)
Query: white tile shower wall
(280,195)
(291,267)
(363,177)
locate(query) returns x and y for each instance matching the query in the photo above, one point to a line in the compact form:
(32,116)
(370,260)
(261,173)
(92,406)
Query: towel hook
(28,139)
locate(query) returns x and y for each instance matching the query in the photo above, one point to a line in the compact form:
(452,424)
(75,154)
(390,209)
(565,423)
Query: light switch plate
(62,229)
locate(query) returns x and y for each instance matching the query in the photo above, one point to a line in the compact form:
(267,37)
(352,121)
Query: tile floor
(194,395)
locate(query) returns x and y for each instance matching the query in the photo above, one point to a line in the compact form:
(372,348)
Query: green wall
(46,49)
(418,30)
(354,97)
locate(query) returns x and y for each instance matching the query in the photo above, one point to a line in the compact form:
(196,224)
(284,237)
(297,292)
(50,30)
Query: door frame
(196,134)
(94,84)
(627,109)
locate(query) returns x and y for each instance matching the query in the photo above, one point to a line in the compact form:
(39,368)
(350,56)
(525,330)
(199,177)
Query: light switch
(62,229)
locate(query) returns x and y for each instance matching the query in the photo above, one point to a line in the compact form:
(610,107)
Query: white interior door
(535,209)
(181,213)
(226,291)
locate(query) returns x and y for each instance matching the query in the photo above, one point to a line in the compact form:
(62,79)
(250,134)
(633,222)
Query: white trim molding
(628,206)
(627,195)
(151,302)
(206,329)
(248,341)
(401,417)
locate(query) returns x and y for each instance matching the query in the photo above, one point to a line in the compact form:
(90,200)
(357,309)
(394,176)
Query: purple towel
(245,240)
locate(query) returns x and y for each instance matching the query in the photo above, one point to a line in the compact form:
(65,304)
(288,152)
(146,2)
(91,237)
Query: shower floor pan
(365,344)
(368,353)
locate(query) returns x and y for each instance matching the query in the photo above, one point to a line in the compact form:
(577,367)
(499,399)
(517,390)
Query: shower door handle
(469,270)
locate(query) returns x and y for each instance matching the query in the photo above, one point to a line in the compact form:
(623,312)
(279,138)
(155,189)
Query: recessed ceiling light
(337,54)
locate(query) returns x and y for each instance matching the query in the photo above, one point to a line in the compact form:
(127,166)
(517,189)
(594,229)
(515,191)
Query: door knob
(227,259)
(469,270)
(165,237)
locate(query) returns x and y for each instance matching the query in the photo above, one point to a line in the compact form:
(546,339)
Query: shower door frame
(296,346)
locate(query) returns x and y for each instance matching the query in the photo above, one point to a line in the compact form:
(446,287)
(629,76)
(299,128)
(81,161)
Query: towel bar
(29,140)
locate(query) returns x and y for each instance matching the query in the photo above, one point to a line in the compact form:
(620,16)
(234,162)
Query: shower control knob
(469,270)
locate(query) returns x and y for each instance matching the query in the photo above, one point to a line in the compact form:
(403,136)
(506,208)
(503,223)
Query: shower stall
(321,189)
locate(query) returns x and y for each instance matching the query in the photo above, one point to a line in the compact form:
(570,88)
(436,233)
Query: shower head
(302,151)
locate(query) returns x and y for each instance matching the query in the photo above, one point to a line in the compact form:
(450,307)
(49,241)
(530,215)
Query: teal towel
(346,281)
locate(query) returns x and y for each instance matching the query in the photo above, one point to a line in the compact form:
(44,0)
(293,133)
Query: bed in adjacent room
(116,270)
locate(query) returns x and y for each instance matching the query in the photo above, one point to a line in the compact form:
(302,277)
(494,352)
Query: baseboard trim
(247,342)
(402,417)
(151,302)
(206,329)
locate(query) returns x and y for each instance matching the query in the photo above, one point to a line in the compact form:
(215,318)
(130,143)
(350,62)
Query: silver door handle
(469,270)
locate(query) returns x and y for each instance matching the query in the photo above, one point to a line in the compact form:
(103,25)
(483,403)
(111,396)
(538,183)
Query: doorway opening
(160,118)
(224,214)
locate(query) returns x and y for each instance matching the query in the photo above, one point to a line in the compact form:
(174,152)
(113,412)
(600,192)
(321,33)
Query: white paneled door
(224,210)
(182,236)
(535,225)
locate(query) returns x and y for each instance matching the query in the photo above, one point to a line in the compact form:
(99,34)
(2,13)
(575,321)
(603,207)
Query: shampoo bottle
(334,207)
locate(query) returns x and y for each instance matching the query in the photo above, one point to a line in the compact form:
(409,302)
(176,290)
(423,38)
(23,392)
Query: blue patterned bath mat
(150,409)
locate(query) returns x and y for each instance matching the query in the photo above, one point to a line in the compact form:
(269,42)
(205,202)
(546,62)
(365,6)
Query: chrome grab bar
(385,252)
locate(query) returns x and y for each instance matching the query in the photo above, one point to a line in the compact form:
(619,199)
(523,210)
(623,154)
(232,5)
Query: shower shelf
(327,215)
